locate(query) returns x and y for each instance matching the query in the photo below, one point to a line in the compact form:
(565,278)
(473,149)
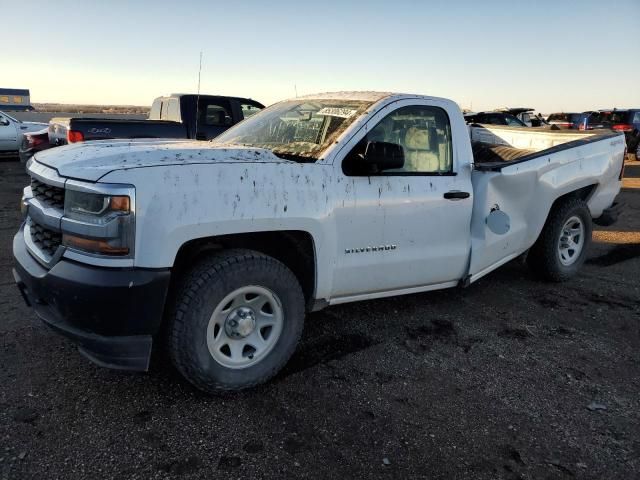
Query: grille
(48,194)
(46,240)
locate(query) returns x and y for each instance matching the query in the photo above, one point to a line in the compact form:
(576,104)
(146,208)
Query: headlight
(94,206)
(98,223)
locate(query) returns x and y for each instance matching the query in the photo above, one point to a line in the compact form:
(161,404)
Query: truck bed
(497,147)
(521,171)
(111,128)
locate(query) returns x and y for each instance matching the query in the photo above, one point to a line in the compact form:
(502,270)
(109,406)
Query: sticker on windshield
(337,112)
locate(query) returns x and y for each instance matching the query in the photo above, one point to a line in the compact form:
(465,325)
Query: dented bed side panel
(526,191)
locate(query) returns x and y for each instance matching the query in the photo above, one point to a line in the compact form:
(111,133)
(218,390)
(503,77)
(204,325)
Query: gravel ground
(509,378)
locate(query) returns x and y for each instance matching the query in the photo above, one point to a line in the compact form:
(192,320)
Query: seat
(419,156)
(215,117)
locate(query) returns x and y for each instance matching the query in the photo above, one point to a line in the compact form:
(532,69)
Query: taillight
(35,141)
(623,127)
(74,136)
(624,158)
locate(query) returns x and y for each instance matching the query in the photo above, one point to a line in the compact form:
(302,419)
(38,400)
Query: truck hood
(93,160)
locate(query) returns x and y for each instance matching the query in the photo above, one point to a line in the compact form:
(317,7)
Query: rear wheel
(562,246)
(236,321)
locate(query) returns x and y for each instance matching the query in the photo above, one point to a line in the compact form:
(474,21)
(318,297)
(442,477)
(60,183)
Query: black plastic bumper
(25,155)
(112,314)
(610,215)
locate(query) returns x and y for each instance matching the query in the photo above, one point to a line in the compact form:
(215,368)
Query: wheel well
(294,248)
(582,193)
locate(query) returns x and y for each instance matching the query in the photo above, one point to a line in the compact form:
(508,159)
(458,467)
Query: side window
(423,132)
(249,109)
(216,115)
(154,113)
(163,110)
(512,121)
(173,110)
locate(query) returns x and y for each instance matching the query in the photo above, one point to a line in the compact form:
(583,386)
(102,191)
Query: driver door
(404,228)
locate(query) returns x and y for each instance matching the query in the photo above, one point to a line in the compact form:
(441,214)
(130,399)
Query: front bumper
(111,313)
(610,215)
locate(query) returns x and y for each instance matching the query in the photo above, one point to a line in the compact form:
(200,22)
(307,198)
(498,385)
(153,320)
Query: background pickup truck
(200,117)
(217,250)
(11,132)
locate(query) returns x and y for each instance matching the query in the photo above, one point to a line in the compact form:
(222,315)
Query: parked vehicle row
(621,120)
(565,120)
(216,250)
(494,118)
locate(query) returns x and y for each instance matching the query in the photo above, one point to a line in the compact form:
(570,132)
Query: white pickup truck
(11,132)
(216,251)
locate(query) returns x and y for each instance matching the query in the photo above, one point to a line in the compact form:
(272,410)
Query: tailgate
(87,129)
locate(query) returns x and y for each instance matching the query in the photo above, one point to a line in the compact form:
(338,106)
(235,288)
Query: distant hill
(106,109)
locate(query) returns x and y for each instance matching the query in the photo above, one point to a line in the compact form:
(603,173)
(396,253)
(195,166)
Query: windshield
(565,117)
(10,117)
(615,117)
(512,121)
(296,129)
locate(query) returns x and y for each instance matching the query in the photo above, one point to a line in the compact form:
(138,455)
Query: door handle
(456,195)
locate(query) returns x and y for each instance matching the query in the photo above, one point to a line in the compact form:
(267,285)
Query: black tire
(544,256)
(202,290)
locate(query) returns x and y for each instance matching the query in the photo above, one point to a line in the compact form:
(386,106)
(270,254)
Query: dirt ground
(510,378)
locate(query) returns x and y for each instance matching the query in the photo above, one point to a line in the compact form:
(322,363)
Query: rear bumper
(610,215)
(112,314)
(25,155)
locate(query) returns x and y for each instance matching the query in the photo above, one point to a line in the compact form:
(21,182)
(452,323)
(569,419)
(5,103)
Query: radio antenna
(295,87)
(198,98)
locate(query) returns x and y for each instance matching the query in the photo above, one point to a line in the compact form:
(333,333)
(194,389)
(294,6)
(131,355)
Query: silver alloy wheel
(571,241)
(244,327)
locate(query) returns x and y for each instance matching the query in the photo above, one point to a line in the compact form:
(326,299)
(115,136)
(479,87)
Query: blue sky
(551,55)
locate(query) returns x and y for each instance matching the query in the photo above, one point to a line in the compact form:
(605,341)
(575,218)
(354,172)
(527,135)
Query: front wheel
(236,321)
(562,246)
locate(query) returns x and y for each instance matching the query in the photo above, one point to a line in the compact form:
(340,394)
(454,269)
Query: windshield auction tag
(337,112)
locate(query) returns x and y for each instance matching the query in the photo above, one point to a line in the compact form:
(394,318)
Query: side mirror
(4,122)
(384,155)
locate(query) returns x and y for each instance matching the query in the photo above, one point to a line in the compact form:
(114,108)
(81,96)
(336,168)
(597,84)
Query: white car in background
(11,132)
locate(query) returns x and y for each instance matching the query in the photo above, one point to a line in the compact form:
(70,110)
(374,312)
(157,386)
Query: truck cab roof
(202,95)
